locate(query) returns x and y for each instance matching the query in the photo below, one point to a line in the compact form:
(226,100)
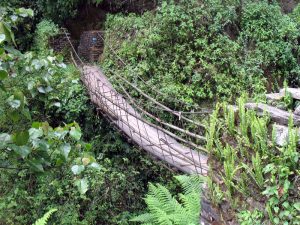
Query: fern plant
(256,171)
(259,132)
(212,129)
(164,209)
(45,218)
(229,118)
(244,123)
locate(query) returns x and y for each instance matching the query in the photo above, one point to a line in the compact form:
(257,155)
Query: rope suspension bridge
(171,140)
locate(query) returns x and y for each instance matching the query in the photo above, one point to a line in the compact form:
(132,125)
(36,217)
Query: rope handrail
(167,109)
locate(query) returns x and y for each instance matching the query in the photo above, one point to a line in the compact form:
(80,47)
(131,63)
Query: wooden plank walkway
(146,135)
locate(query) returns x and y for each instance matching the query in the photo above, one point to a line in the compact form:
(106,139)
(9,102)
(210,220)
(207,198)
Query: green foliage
(165,209)
(212,131)
(44,31)
(250,218)
(9,18)
(57,10)
(253,166)
(45,218)
(200,50)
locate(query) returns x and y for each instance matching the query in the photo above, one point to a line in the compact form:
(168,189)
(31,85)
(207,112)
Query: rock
(274,96)
(294,92)
(282,134)
(297,110)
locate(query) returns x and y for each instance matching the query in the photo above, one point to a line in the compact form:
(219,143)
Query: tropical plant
(45,218)
(163,208)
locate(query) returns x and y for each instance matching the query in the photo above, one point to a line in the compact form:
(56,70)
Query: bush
(44,31)
(57,10)
(194,51)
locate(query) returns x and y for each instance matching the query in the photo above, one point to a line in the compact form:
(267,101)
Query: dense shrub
(194,51)
(44,31)
(58,10)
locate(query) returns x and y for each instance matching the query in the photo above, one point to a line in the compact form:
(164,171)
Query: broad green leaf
(13,103)
(30,85)
(25,12)
(43,145)
(21,138)
(2,86)
(37,64)
(56,104)
(75,133)
(77,169)
(13,51)
(30,12)
(95,166)
(35,133)
(2,38)
(297,206)
(41,90)
(23,151)
(1,51)
(18,95)
(65,150)
(14,115)
(14,18)
(36,166)
(88,146)
(26,113)
(3,74)
(36,125)
(82,185)
(5,138)
(6,30)
(48,89)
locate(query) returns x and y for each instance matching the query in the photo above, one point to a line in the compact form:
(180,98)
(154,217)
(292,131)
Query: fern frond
(144,218)
(164,209)
(160,197)
(45,218)
(161,216)
(191,202)
(192,183)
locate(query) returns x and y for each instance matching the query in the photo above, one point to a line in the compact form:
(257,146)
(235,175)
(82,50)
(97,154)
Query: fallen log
(145,135)
(277,115)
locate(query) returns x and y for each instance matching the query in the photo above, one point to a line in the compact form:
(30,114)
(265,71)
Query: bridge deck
(146,135)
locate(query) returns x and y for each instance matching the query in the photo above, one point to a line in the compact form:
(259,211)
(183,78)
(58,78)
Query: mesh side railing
(148,135)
